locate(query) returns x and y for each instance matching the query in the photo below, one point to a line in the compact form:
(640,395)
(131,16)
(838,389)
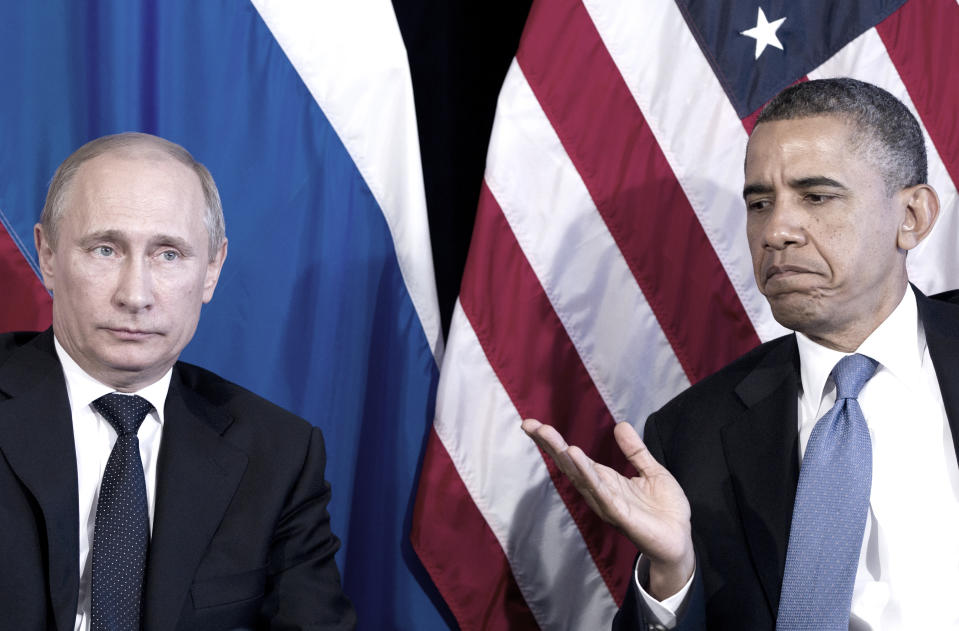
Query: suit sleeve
(303,585)
(631,615)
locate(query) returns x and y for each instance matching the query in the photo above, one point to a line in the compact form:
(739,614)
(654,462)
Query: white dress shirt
(94,437)
(908,576)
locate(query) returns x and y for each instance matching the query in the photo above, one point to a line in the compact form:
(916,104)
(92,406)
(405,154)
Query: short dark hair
(53,208)
(888,132)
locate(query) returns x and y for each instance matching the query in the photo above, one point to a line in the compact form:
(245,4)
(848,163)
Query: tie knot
(851,374)
(125,412)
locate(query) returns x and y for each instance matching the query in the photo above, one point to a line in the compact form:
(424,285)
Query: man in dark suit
(131,243)
(836,195)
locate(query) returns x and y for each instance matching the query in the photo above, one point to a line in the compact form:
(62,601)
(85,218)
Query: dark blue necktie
(122,529)
(829,515)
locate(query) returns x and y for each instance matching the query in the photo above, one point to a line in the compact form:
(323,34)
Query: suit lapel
(941,324)
(761,449)
(36,439)
(197,475)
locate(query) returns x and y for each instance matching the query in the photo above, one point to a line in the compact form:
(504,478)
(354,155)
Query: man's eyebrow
(816,180)
(756,189)
(798,183)
(175,242)
(114,236)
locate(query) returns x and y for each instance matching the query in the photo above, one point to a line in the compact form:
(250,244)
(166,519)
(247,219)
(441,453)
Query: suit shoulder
(11,342)
(951,296)
(235,400)
(703,397)
(941,310)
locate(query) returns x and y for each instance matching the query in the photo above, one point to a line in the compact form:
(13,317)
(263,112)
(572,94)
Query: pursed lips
(129,333)
(785,271)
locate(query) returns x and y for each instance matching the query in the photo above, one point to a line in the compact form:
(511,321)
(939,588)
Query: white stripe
(508,480)
(934,265)
(696,128)
(351,57)
(569,247)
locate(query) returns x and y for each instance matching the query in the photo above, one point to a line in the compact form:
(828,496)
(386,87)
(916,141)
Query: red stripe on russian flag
(589,105)
(26,304)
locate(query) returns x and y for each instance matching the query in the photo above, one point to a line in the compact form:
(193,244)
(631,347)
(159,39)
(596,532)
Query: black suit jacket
(732,442)
(241,535)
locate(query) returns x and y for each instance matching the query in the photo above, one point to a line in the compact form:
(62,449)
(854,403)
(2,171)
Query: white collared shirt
(908,572)
(94,437)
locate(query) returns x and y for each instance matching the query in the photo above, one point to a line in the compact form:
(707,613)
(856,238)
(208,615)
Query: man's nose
(134,290)
(784,226)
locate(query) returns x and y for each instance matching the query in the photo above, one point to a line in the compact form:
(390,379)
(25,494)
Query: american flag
(609,267)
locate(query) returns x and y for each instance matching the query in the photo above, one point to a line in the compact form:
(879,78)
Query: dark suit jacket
(732,442)
(241,535)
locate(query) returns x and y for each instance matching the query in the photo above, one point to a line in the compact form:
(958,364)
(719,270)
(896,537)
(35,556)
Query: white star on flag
(764,33)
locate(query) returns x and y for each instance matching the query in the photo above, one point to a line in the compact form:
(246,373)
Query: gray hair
(53,208)
(887,131)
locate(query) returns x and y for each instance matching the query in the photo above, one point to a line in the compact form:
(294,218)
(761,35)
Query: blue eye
(170,255)
(103,250)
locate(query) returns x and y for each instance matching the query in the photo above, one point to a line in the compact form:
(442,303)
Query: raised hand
(650,509)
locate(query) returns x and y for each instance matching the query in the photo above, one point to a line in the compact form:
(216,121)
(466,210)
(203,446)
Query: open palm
(650,508)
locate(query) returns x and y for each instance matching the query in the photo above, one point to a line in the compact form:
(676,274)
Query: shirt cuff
(661,614)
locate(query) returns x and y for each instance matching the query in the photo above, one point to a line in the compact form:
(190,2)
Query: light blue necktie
(829,515)
(122,529)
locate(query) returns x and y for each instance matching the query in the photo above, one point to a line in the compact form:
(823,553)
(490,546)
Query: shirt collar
(897,344)
(82,389)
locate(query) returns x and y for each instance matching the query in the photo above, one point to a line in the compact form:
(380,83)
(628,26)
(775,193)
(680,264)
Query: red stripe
(923,42)
(602,129)
(461,553)
(534,359)
(24,303)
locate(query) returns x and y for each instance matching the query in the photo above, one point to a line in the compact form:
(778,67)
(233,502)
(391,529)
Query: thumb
(635,450)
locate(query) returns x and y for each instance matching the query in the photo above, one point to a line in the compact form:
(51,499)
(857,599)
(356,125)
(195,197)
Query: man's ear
(922,209)
(213,272)
(45,252)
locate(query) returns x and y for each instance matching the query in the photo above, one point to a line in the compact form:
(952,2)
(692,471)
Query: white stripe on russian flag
(339,49)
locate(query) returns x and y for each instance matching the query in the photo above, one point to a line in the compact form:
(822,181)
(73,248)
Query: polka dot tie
(829,515)
(122,529)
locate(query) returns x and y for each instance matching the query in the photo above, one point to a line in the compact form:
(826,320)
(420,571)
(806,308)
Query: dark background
(459,52)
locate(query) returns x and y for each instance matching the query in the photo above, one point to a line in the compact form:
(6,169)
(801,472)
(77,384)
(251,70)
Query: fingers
(585,476)
(550,441)
(545,436)
(635,449)
(572,461)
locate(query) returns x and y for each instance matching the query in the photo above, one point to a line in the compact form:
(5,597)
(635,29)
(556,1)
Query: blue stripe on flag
(311,311)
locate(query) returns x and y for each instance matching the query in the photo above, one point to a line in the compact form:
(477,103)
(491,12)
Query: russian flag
(303,112)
